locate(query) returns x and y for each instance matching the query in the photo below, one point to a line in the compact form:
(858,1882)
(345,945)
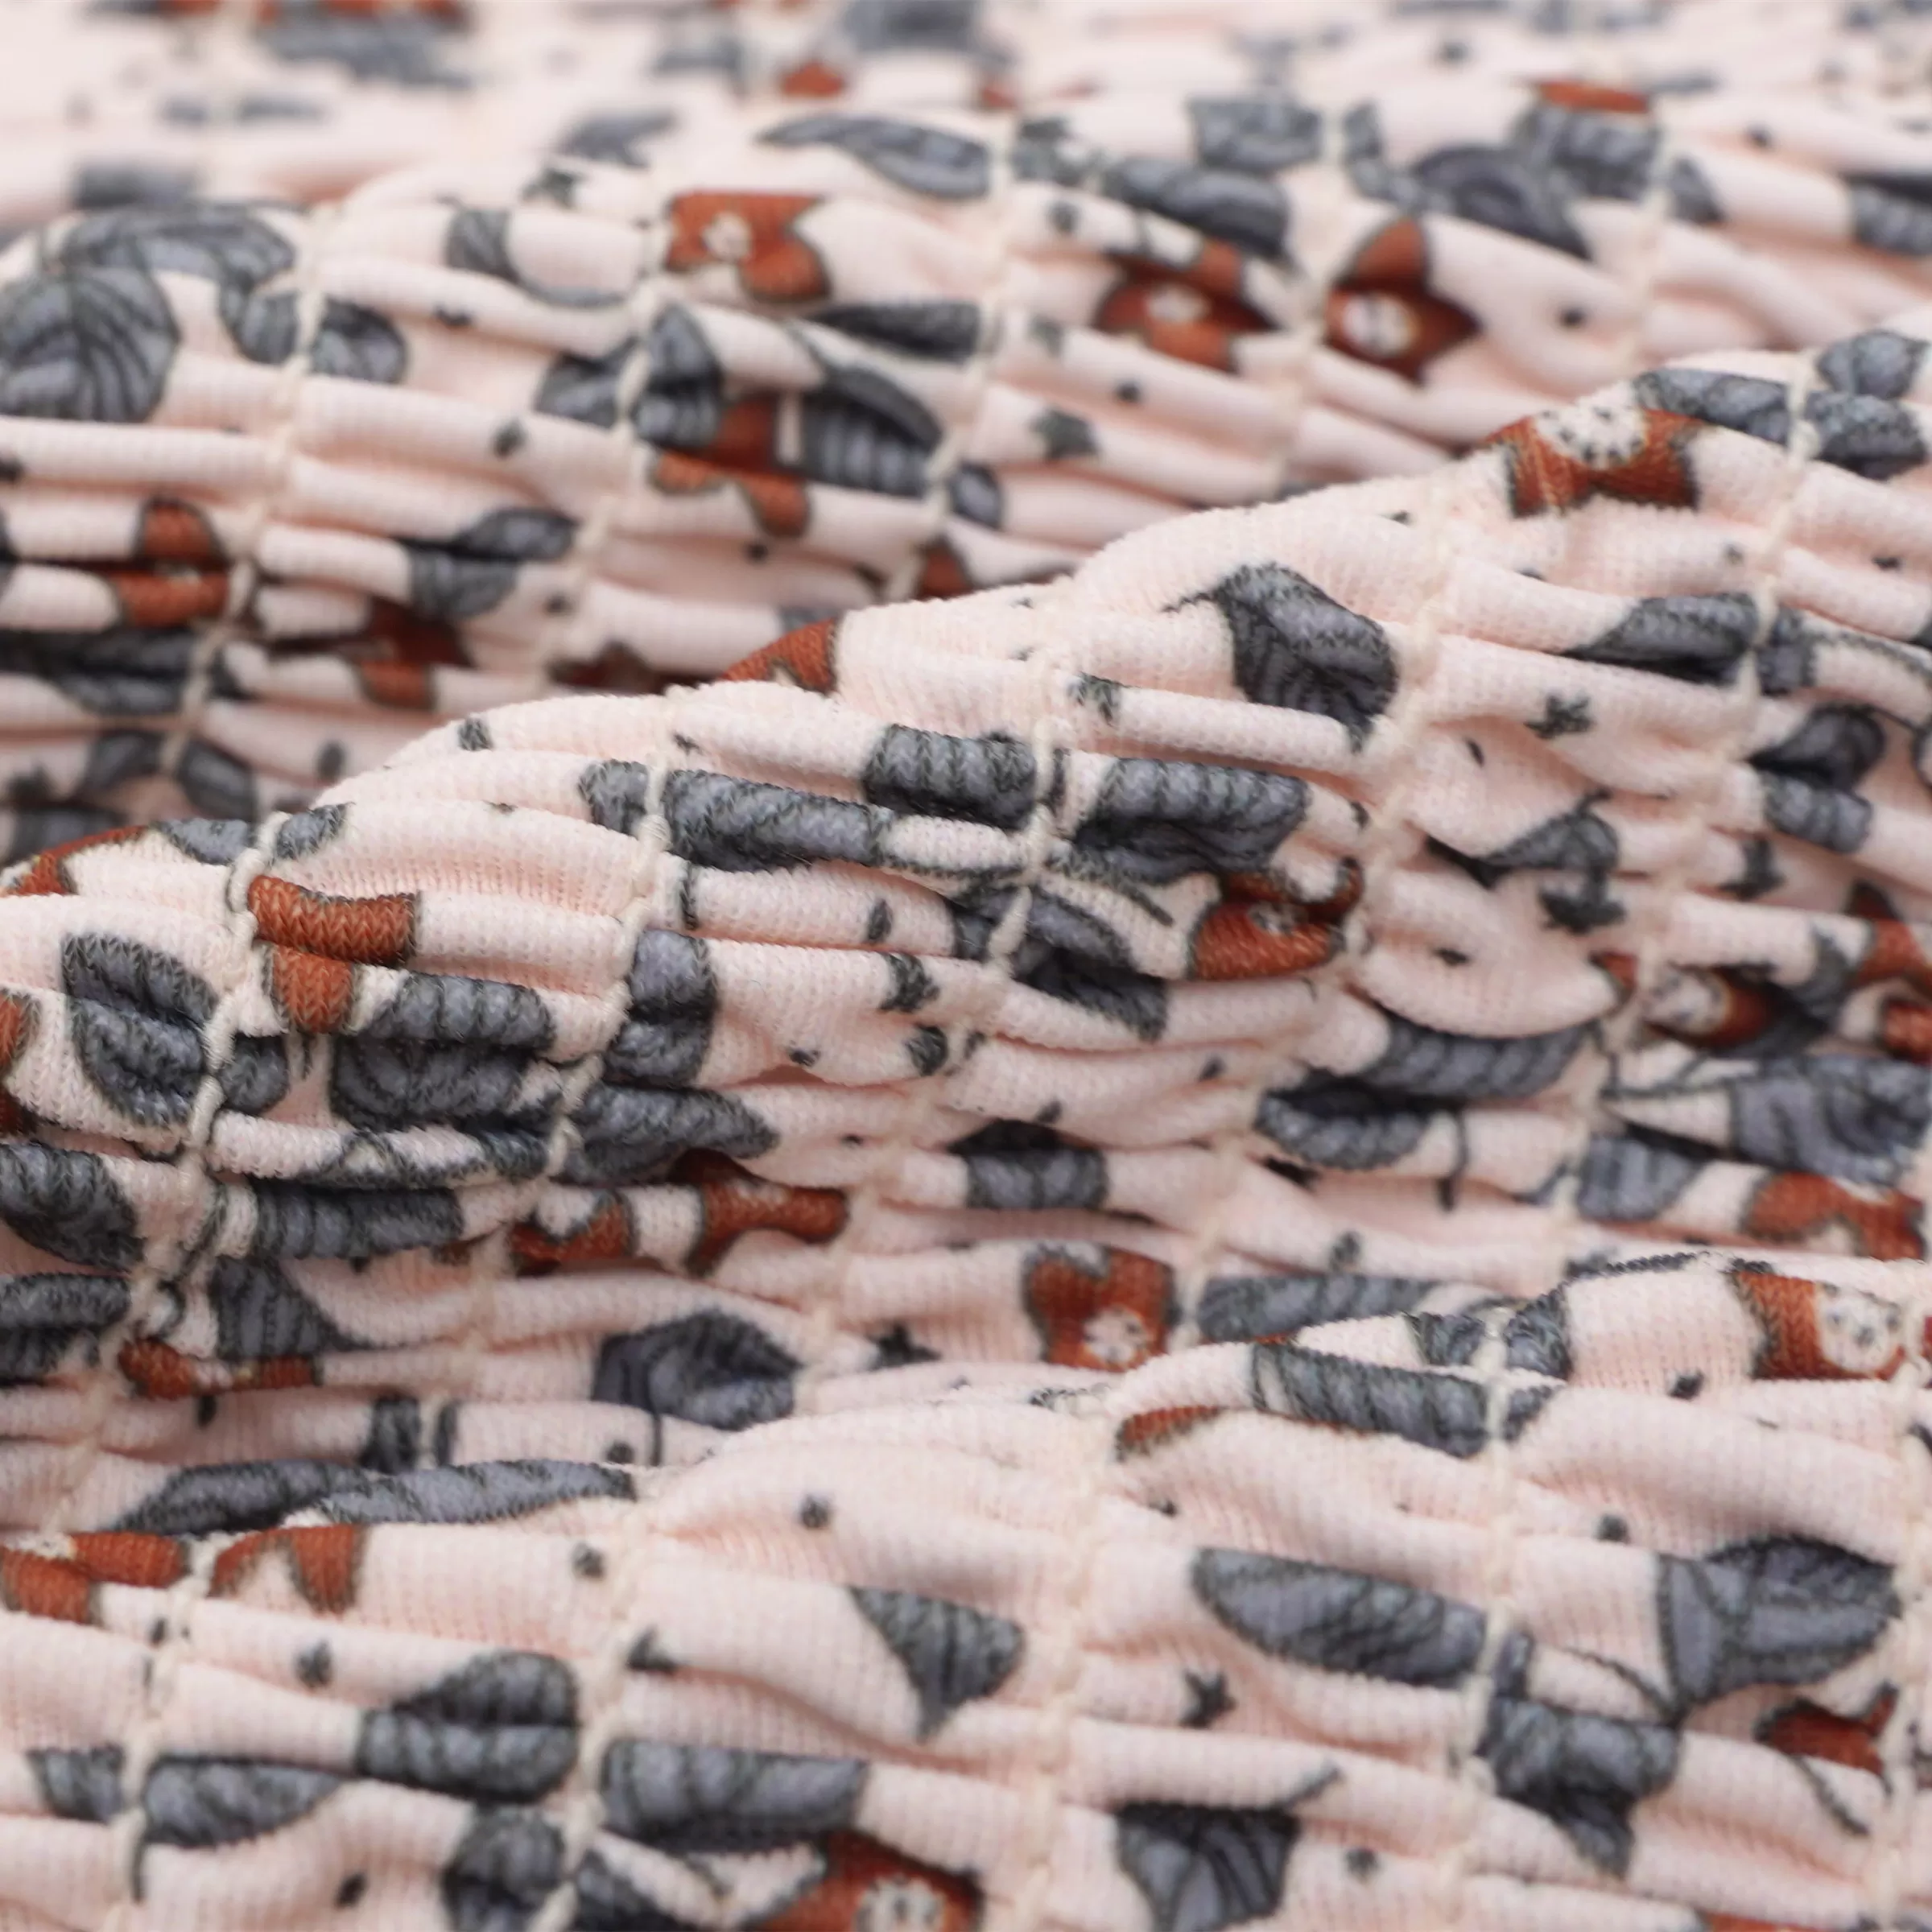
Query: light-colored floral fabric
(1236,1242)
(649,358)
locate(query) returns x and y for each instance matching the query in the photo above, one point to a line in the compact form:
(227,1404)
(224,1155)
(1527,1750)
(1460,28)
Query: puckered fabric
(1236,1241)
(377,365)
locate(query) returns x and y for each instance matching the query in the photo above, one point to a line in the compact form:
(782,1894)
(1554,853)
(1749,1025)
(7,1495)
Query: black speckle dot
(557,604)
(1450,956)
(644,1655)
(1889,562)
(508,439)
(804,1056)
(157,1631)
(1612,1529)
(588,1562)
(1362,1862)
(1573,318)
(1687,1388)
(453,318)
(206,1407)
(1064,217)
(1398,516)
(12,470)
(1213,1066)
(1758,137)
(851,1140)
(1476,751)
(879,922)
(315,1665)
(682,743)
(1166,1505)
(331,760)
(814,1512)
(620,1452)
(1734,553)
(757,553)
(1128,392)
(1453,53)
(349,1892)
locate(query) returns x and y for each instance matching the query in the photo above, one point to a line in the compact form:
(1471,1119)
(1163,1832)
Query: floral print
(1239,1239)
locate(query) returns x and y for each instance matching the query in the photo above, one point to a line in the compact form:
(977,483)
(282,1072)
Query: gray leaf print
(1296,648)
(988,780)
(952,1652)
(453,1007)
(924,160)
(1583,1773)
(1859,1119)
(1344,1123)
(1156,820)
(66,1202)
(468,575)
(218,783)
(708,1367)
(1697,640)
(1250,214)
(674,999)
(475,1492)
(260,1313)
(509,1862)
(1633,1177)
(296,1222)
(93,346)
(84,1785)
(583,389)
(133,1018)
(131,672)
(358,343)
(615,138)
(627,1135)
(41,1316)
(1255,134)
(617,790)
(934,331)
(211,841)
(1335,1619)
(503,1726)
(1201,1869)
(1749,404)
(201,1801)
(695,1798)
(219,241)
(739,825)
(1784,1610)
(1021,1167)
(1070,954)
(1439,1411)
(1880,362)
(1245,1308)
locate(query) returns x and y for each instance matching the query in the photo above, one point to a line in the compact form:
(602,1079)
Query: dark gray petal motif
(952,1652)
(1201,1868)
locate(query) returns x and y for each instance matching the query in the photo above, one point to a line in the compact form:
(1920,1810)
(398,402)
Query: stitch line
(1390,842)
(865,1201)
(490,1260)
(189,1168)
(244,580)
(997,320)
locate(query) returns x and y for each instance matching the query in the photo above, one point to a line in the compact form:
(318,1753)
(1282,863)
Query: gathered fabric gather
(1224,1227)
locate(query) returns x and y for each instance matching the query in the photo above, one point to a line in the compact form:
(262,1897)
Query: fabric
(284,487)
(1235,1242)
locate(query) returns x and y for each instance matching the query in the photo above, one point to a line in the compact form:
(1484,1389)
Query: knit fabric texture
(1234,1242)
(281,484)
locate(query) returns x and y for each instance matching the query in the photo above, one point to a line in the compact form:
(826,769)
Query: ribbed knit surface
(644,360)
(1237,1242)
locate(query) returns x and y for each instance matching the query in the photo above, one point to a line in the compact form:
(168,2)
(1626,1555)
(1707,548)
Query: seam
(864,1201)
(1656,211)
(198,1204)
(489,1259)
(1587,1113)
(147,1737)
(246,573)
(1668,886)
(1053,1736)
(1292,389)
(1391,840)
(602,1692)
(1888,1880)
(948,458)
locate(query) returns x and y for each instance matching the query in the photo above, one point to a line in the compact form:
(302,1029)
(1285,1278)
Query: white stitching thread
(490,1260)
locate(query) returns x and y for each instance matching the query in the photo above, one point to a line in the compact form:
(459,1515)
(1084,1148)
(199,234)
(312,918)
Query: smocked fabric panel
(280,489)
(1235,1242)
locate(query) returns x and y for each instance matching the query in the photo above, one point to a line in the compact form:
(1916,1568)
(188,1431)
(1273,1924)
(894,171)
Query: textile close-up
(1218,1222)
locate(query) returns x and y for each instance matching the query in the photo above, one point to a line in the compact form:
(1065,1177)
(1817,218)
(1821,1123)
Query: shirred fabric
(1237,1241)
(285,485)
